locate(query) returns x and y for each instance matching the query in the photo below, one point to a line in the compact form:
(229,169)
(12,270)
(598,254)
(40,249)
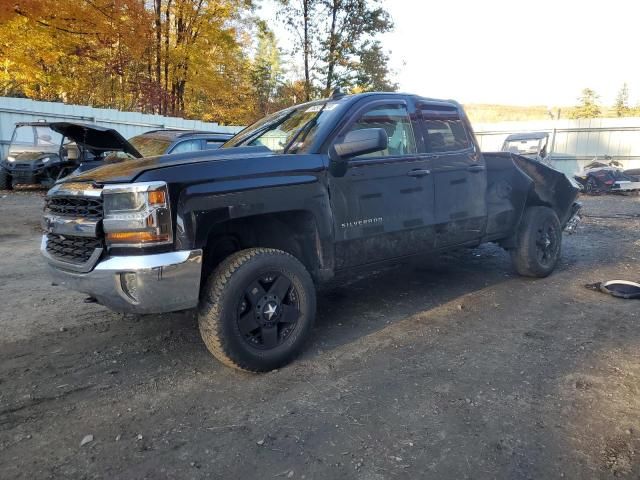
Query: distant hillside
(485,113)
(481,113)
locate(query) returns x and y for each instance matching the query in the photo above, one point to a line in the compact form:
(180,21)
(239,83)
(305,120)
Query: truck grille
(72,249)
(70,206)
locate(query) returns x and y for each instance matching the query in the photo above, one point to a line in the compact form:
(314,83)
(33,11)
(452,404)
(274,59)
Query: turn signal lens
(156,197)
(136,237)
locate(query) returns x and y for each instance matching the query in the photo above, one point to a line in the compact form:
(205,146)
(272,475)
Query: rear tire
(539,243)
(5,180)
(258,309)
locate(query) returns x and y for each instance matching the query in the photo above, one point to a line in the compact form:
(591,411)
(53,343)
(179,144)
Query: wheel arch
(293,231)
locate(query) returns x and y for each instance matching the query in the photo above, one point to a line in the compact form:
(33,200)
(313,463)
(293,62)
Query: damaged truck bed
(516,182)
(244,232)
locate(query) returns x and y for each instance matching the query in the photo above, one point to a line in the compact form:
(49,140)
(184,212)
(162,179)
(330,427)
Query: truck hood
(129,170)
(95,138)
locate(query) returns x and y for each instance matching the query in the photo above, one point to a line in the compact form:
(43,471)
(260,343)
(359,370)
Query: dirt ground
(447,368)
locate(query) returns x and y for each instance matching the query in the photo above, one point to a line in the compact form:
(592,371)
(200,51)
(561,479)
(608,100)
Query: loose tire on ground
(5,180)
(539,243)
(257,310)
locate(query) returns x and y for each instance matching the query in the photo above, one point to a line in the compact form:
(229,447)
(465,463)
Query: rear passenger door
(459,175)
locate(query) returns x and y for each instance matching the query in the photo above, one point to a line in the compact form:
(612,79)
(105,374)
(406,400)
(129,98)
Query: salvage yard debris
(618,288)
(608,177)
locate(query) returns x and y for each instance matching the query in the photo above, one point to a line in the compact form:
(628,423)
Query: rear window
(443,129)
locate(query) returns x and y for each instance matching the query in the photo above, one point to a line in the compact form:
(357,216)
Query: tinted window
(393,119)
(187,146)
(213,144)
(443,130)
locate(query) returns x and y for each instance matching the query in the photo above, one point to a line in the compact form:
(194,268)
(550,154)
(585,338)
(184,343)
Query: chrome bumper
(158,283)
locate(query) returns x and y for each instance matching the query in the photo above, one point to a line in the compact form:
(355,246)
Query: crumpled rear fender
(516,183)
(550,187)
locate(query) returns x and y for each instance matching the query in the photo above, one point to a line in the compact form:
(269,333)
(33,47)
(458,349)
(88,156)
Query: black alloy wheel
(257,309)
(268,311)
(547,244)
(538,242)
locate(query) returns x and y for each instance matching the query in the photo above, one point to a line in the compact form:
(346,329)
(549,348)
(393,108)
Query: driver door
(383,206)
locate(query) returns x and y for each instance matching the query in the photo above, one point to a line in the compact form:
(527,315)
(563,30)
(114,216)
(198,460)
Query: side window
(212,144)
(187,146)
(393,119)
(443,130)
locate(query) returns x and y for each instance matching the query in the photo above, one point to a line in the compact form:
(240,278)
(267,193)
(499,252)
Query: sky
(516,52)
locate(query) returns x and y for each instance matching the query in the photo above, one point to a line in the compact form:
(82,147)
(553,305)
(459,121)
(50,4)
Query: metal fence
(129,124)
(573,143)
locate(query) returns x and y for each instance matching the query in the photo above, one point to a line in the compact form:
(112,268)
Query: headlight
(11,159)
(45,159)
(137,215)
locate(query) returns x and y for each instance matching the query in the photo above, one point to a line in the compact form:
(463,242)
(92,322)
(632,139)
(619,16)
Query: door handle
(476,168)
(419,172)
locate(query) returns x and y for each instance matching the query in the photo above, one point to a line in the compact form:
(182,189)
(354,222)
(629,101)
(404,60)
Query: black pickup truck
(244,232)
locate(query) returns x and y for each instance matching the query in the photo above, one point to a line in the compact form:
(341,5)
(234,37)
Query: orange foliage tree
(171,57)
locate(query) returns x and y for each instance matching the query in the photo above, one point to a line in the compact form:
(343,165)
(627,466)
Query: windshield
(30,138)
(150,146)
(277,131)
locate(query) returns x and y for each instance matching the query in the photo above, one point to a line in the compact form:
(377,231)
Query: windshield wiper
(305,129)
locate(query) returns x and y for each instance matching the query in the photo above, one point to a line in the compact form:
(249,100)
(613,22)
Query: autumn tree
(338,45)
(352,24)
(301,18)
(621,105)
(174,57)
(82,52)
(267,71)
(588,105)
(371,72)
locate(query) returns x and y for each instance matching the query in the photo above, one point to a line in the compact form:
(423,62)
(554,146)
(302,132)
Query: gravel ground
(446,368)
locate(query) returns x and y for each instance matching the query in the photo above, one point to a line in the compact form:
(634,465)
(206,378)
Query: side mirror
(361,142)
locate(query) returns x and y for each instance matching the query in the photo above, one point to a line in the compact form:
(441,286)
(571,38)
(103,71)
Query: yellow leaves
(105,53)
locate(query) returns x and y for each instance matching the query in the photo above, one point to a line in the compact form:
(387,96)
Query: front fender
(204,206)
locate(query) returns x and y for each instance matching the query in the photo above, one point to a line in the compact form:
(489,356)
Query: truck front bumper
(163,282)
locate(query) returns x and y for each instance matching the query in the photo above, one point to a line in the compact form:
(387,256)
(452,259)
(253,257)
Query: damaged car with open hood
(40,153)
(245,233)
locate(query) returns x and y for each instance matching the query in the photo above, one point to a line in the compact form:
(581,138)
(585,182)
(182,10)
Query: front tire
(5,180)
(539,243)
(258,309)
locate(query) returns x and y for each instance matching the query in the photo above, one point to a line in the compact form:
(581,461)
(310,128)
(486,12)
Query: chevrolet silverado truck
(246,232)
